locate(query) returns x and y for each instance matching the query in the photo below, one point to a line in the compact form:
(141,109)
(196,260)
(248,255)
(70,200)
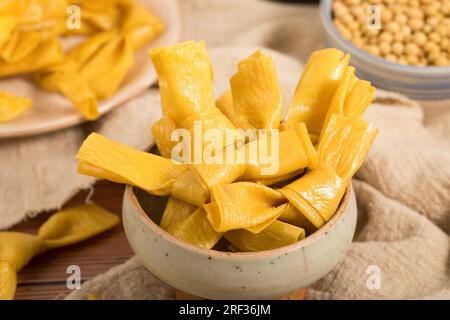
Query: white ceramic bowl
(224,275)
(422,83)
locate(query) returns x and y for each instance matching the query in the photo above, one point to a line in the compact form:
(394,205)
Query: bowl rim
(326,18)
(149,223)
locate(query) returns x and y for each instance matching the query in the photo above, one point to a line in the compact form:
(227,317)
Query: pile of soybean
(413,32)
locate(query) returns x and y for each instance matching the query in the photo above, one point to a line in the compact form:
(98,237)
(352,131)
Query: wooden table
(45,276)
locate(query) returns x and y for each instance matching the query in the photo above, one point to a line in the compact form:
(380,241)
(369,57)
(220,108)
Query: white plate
(51,111)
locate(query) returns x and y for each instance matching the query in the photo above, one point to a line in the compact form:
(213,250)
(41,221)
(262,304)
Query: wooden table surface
(45,276)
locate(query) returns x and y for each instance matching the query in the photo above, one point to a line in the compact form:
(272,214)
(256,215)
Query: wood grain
(45,276)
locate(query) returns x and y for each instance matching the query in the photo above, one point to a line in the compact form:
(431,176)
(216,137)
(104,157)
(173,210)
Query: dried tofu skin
(185,79)
(295,152)
(175,214)
(93,171)
(211,118)
(315,90)
(9,6)
(197,230)
(260,227)
(103,60)
(293,216)
(359,99)
(279,180)
(213,174)
(345,143)
(193,186)
(189,187)
(317,194)
(47,53)
(93,69)
(36,14)
(243,205)
(12,107)
(147,171)
(7,24)
(352,97)
(278,234)
(16,250)
(225,104)
(30,26)
(66,79)
(28,36)
(213,141)
(162,131)
(72,225)
(21,43)
(66,227)
(256,94)
(141,25)
(8,280)
(32,12)
(345,86)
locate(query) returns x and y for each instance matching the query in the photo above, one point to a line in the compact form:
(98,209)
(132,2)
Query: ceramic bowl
(224,275)
(430,84)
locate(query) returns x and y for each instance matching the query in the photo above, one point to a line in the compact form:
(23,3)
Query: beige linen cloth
(403,189)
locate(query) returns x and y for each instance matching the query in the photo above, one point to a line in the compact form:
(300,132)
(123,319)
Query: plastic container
(430,84)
